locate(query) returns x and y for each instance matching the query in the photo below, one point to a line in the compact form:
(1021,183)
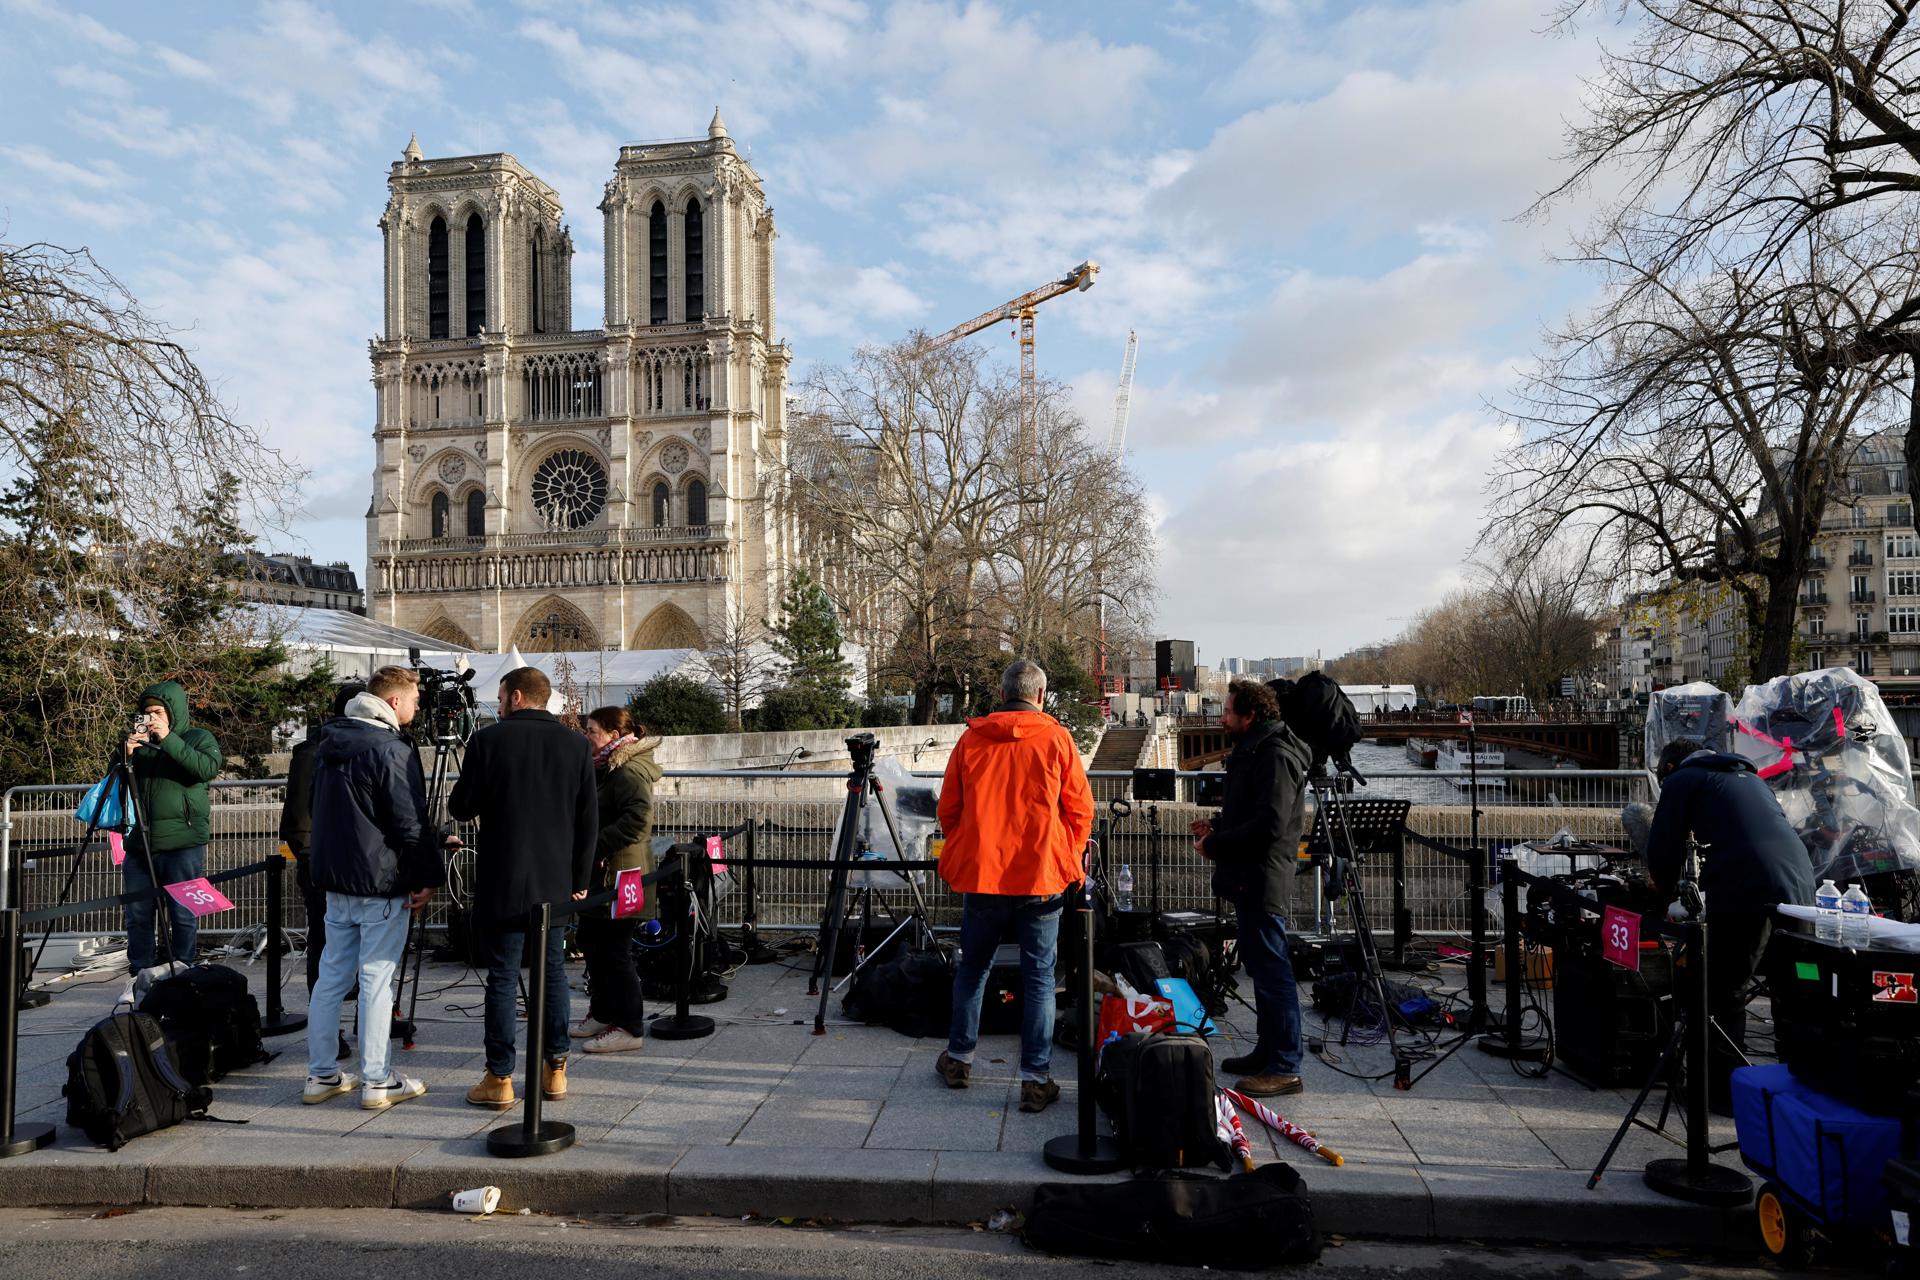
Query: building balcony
(1860,560)
(1813,600)
(1877,637)
(1859,597)
(551,560)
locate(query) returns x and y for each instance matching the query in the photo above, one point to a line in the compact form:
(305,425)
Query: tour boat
(1421,752)
(1454,763)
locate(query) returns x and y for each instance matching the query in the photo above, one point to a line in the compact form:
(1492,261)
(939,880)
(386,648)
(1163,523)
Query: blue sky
(1307,210)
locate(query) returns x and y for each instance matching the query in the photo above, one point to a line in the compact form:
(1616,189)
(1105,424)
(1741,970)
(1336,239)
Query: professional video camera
(447,706)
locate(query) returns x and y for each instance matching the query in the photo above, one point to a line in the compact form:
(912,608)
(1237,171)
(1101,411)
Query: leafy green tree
(794,708)
(877,713)
(675,705)
(807,639)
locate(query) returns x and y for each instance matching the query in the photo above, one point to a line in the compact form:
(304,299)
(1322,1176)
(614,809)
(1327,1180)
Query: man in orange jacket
(1016,812)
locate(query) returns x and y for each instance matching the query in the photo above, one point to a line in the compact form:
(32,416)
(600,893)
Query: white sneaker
(395,1088)
(586,1028)
(321,1088)
(613,1040)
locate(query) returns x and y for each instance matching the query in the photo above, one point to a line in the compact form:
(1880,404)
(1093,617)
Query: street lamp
(798,753)
(922,747)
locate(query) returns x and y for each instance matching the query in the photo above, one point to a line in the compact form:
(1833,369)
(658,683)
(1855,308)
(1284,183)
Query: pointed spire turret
(716,128)
(413,154)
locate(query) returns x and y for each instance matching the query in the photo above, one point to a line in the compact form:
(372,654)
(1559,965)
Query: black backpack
(1247,1222)
(1159,1091)
(212,1019)
(1320,714)
(911,992)
(123,1081)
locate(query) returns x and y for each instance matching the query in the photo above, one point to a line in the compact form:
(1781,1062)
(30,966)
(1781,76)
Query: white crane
(1123,398)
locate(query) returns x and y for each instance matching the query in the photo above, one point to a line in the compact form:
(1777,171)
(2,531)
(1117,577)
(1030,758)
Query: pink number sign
(629,893)
(199,897)
(1620,937)
(716,850)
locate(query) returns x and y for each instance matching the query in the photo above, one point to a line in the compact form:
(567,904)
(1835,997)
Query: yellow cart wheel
(1783,1229)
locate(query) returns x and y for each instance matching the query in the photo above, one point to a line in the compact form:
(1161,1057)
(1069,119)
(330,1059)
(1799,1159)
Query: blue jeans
(503,951)
(1276,997)
(366,939)
(172,867)
(983,922)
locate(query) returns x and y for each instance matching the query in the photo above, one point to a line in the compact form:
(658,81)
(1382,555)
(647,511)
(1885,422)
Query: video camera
(447,705)
(863,747)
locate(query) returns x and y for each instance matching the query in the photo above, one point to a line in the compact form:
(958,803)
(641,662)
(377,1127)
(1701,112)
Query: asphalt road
(385,1244)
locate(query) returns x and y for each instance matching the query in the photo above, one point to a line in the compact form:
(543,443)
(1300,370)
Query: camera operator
(377,858)
(529,780)
(172,764)
(1754,862)
(1252,845)
(296,828)
(1016,812)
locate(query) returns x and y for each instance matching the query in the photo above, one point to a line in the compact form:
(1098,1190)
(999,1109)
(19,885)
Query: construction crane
(1021,310)
(1123,398)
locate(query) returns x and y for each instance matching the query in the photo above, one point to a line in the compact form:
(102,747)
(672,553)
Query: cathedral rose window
(569,489)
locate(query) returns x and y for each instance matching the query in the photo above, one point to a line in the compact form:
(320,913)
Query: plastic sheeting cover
(1699,711)
(1827,745)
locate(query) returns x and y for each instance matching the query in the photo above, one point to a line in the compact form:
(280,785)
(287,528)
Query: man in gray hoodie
(378,860)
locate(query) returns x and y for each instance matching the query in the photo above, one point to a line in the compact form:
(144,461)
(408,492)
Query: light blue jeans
(984,919)
(366,938)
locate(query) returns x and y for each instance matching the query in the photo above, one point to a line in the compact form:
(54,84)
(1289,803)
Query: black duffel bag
(1249,1221)
(212,1019)
(911,992)
(1158,1089)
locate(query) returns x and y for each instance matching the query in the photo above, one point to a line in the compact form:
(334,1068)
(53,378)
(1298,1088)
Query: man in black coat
(1252,845)
(529,782)
(1752,861)
(377,858)
(296,830)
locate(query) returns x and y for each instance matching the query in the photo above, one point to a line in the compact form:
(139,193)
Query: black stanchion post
(683,1025)
(1697,1177)
(534,1136)
(15,1140)
(278,1021)
(1086,1150)
(1508,1043)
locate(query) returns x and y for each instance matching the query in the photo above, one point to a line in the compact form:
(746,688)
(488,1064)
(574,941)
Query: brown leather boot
(553,1079)
(495,1092)
(1271,1084)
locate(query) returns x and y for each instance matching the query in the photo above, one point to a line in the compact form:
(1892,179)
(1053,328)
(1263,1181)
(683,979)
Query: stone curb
(1429,1202)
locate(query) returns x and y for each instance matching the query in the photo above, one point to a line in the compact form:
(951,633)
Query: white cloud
(92,81)
(825,298)
(184,65)
(104,175)
(91,30)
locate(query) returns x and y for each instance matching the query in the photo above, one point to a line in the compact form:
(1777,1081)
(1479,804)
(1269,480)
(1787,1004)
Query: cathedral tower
(561,489)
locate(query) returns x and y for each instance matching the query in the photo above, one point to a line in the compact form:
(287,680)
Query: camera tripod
(120,785)
(449,749)
(1329,799)
(854,843)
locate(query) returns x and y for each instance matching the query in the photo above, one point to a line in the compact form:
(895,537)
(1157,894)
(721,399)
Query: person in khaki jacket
(624,772)
(1016,812)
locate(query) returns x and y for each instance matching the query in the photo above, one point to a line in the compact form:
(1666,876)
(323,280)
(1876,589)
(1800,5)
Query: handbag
(102,807)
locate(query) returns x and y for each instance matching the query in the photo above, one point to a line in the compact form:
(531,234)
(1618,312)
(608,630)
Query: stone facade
(559,489)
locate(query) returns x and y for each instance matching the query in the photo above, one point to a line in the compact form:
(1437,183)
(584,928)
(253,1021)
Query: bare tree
(119,523)
(1691,429)
(1760,248)
(740,662)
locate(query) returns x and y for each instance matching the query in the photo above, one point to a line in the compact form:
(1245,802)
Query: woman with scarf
(624,768)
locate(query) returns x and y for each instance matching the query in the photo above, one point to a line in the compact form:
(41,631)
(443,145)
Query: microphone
(1637,818)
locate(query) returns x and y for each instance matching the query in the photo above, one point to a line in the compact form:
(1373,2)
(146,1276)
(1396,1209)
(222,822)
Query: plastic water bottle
(1856,919)
(1826,925)
(1123,887)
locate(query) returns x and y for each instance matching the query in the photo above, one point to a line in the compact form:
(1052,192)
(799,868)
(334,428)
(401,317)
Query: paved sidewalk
(765,1118)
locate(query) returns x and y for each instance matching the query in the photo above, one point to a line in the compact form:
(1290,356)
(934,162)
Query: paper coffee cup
(476,1200)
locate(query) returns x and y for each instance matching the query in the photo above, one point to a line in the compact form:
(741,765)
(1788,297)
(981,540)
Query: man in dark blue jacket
(378,860)
(1751,861)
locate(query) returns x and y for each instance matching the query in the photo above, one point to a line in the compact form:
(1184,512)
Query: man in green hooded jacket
(172,764)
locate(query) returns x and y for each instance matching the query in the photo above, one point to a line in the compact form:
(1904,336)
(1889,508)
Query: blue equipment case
(1825,1156)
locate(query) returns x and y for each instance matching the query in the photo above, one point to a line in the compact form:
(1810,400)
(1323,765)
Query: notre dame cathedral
(562,489)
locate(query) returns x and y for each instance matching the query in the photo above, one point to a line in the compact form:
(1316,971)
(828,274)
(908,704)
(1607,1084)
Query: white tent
(1368,699)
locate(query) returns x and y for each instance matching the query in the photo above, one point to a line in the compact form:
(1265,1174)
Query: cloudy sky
(1307,210)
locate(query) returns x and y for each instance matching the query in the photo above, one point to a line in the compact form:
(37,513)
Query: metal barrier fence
(798,811)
